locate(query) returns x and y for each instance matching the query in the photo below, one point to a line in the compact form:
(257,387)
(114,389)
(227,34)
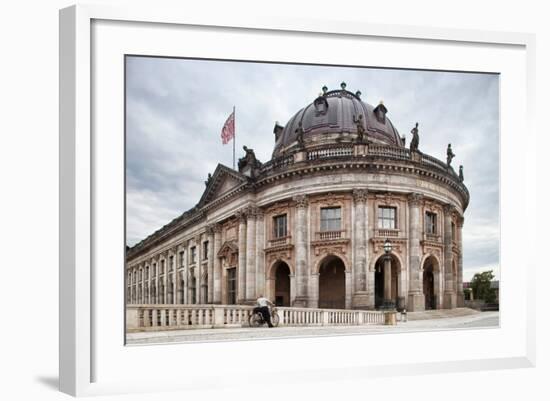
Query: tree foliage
(481,286)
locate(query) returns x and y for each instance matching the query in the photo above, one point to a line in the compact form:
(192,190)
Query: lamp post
(388,302)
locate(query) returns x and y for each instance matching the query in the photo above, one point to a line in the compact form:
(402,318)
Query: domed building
(343,216)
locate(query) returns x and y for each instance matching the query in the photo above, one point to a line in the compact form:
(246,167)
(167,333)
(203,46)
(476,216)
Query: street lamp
(388,302)
(387,247)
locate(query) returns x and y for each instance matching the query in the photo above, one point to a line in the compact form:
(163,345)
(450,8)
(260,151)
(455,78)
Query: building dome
(335,116)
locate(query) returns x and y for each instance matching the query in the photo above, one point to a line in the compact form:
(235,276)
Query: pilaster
(301,228)
(416,300)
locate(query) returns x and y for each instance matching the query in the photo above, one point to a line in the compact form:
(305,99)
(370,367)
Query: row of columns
(251,278)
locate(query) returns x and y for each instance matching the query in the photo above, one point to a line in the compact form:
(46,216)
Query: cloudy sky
(176,108)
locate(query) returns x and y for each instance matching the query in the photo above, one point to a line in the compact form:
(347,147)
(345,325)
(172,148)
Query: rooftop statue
(300,135)
(461,174)
(415,139)
(208,179)
(249,159)
(450,155)
(360,129)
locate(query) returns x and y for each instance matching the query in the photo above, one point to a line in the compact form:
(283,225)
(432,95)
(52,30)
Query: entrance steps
(441,313)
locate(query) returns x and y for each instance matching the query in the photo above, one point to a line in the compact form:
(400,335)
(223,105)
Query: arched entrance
(379,281)
(282,284)
(332,283)
(430,282)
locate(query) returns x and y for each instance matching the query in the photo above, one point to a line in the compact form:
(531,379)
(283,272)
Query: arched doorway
(332,283)
(282,284)
(379,282)
(430,282)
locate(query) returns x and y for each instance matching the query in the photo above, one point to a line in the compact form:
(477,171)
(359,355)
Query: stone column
(199,270)
(313,301)
(360,249)
(416,297)
(241,269)
(217,274)
(348,288)
(165,279)
(211,258)
(387,279)
(174,275)
(188,289)
(449,295)
(250,290)
(157,281)
(302,271)
(260,254)
(459,284)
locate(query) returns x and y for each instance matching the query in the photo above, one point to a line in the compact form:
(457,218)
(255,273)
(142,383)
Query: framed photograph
(335,181)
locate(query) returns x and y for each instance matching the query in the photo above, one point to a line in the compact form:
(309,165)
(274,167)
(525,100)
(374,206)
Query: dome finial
(358,94)
(343,85)
(324,89)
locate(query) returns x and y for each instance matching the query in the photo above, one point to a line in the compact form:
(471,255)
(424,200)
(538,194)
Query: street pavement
(476,320)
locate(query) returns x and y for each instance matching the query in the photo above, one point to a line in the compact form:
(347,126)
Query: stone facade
(307,229)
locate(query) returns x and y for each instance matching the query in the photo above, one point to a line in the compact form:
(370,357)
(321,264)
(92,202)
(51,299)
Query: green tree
(481,286)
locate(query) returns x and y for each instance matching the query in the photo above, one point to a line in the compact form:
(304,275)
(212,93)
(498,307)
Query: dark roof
(336,112)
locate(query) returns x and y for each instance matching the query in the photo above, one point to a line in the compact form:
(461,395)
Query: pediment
(223,181)
(228,248)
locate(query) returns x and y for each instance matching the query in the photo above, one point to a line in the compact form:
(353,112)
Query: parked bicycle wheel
(255,320)
(275,319)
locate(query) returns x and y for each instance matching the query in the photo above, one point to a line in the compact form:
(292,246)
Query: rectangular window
(193,254)
(182,258)
(205,250)
(232,286)
(279,226)
(386,217)
(162,266)
(330,218)
(171,263)
(431,223)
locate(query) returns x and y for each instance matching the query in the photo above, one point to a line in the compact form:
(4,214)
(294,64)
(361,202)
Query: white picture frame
(91,342)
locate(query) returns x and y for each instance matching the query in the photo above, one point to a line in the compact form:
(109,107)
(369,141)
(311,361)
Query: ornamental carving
(328,250)
(448,208)
(241,215)
(398,245)
(415,199)
(282,255)
(300,201)
(360,195)
(278,208)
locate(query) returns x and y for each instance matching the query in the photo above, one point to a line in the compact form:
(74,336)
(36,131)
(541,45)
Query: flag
(228,130)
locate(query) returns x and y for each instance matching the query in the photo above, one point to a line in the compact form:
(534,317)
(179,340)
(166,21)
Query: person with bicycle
(263,307)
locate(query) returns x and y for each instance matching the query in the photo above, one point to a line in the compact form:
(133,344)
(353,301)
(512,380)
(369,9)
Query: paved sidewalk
(470,320)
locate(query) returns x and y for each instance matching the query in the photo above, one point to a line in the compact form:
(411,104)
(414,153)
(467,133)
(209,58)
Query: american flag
(228,130)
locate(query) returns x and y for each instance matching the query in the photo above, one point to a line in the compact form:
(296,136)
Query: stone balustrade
(386,233)
(328,235)
(180,317)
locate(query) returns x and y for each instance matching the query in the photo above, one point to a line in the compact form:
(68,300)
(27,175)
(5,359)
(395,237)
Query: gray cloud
(176,108)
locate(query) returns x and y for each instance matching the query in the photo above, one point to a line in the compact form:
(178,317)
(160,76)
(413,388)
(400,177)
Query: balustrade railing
(328,235)
(279,241)
(432,237)
(171,317)
(389,151)
(340,151)
(386,232)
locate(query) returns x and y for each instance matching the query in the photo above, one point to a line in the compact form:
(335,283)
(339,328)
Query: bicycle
(256,319)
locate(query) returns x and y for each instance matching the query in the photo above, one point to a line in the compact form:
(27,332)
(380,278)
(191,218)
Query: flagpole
(234,137)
